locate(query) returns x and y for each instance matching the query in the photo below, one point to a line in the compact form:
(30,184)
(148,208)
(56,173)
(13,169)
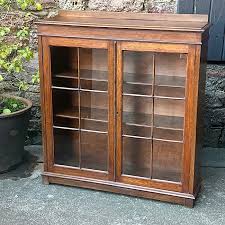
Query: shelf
(81,129)
(129,78)
(137,118)
(170,87)
(169,92)
(77,89)
(155,96)
(146,132)
(100,115)
(170,122)
(134,121)
(141,119)
(90,80)
(66,75)
(138,89)
(134,84)
(160,80)
(95,75)
(64,88)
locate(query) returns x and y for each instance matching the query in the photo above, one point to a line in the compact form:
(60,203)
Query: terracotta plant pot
(13,129)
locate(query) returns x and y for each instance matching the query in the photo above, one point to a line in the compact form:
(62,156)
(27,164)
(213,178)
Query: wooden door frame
(154,47)
(47,110)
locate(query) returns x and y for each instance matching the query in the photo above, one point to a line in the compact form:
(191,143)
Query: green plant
(10,105)
(15,47)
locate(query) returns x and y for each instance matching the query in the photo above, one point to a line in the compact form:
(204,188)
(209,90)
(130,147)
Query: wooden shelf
(66,75)
(86,113)
(160,121)
(160,80)
(94,122)
(90,80)
(130,78)
(96,75)
(65,88)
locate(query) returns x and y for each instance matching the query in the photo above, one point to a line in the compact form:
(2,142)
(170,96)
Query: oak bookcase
(122,100)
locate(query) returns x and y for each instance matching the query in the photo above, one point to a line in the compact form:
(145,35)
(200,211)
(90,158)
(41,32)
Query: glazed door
(79,98)
(151,114)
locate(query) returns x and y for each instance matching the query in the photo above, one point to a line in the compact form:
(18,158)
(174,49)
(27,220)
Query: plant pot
(13,129)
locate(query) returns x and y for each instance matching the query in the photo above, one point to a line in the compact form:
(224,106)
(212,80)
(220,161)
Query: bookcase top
(125,20)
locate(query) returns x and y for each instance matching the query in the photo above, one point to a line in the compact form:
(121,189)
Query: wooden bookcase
(122,101)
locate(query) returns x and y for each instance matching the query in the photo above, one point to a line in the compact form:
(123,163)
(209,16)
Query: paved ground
(25,201)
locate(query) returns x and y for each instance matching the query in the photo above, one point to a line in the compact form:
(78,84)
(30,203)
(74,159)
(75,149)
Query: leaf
(2,33)
(38,6)
(6,111)
(24,6)
(1,78)
(36,78)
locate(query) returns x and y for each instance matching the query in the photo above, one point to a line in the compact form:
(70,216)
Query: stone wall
(215,106)
(215,87)
(168,6)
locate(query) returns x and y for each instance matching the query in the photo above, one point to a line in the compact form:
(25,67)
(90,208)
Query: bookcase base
(184,199)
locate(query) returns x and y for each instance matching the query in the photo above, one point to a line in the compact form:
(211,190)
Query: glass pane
(136,156)
(137,74)
(94,154)
(93,69)
(169,111)
(94,125)
(169,107)
(93,65)
(137,113)
(94,105)
(167,160)
(170,69)
(65,113)
(64,66)
(66,146)
(80,106)
(137,66)
(138,89)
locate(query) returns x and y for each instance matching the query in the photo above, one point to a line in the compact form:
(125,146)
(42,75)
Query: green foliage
(15,49)
(3,3)
(10,105)
(25,4)
(35,78)
(23,86)
(4,31)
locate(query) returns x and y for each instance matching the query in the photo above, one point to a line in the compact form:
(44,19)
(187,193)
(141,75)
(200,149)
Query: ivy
(14,54)
(15,50)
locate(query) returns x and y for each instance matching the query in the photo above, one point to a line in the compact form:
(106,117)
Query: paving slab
(26,201)
(213,157)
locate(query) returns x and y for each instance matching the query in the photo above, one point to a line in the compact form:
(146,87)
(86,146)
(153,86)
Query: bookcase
(122,101)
